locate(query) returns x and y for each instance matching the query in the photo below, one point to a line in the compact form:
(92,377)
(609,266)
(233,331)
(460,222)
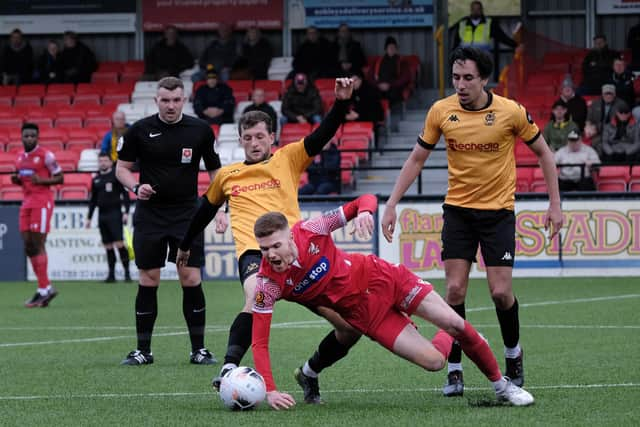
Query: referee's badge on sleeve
(187,153)
(120,143)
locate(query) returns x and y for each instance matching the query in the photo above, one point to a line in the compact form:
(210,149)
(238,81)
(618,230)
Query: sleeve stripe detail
(532,140)
(425,145)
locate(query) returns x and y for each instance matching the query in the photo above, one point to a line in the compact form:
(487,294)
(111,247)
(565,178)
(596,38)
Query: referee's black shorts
(465,228)
(110,226)
(158,228)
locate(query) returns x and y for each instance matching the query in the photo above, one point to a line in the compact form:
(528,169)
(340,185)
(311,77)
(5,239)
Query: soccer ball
(242,388)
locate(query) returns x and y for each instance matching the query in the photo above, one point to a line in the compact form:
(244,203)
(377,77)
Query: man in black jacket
(78,61)
(168,56)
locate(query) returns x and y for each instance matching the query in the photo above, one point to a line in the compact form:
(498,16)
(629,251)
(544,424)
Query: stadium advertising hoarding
(618,7)
(365,13)
(599,238)
(199,15)
(12,257)
(50,17)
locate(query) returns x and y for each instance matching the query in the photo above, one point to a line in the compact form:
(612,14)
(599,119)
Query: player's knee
(30,249)
(347,336)
(456,293)
(433,361)
(502,298)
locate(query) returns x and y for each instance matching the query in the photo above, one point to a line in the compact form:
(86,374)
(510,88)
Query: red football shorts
(35,218)
(392,295)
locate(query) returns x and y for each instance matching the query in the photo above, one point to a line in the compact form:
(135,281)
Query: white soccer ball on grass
(242,388)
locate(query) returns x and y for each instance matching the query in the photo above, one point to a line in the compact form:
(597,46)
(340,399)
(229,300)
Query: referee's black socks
(146,313)
(124,258)
(194,310)
(111,261)
(239,338)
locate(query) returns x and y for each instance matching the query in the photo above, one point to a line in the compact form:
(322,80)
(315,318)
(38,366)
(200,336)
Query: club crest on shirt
(289,282)
(36,160)
(187,154)
(489,119)
(313,249)
(259,301)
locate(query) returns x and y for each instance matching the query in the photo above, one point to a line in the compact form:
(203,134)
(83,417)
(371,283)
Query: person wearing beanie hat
(556,131)
(391,74)
(620,137)
(603,110)
(571,178)
(576,105)
(214,101)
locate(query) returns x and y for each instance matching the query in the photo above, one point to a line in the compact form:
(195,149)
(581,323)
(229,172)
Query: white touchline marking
(568,301)
(310,324)
(345,391)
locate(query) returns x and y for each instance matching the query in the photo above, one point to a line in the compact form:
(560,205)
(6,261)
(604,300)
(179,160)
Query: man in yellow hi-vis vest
(479,31)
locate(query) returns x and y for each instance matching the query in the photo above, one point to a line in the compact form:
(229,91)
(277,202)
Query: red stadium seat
(104,77)
(11,193)
(14,146)
(7,163)
(61,89)
(87,99)
(56,99)
(6,101)
(130,76)
(11,122)
(32,89)
(524,176)
(110,66)
(133,65)
(524,155)
(538,184)
(70,192)
(68,160)
(355,142)
(116,98)
(325,84)
(78,179)
(8,90)
(27,100)
(612,178)
(99,122)
(71,111)
(272,88)
(42,122)
(83,88)
(69,122)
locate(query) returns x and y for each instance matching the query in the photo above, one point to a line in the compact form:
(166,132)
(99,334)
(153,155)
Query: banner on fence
(12,257)
(599,238)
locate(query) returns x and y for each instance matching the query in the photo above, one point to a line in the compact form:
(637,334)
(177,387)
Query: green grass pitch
(60,365)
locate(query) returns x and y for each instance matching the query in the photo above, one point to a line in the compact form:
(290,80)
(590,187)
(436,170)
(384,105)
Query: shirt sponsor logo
(317,272)
(454,145)
(187,155)
(266,185)
(408,299)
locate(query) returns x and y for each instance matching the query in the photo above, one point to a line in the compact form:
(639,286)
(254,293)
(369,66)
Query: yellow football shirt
(480,149)
(255,189)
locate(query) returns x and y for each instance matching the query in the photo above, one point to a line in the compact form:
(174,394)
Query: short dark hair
(16,31)
(71,34)
(252,118)
(269,223)
(104,154)
(29,125)
(480,57)
(600,36)
(170,83)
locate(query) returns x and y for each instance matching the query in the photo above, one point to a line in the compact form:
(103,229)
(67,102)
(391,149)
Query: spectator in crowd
(168,56)
(622,79)
(576,105)
(49,67)
(472,30)
(579,178)
(78,61)
(597,66)
(109,144)
(633,43)
(603,110)
(391,74)
(315,56)
(591,137)
(365,102)
(351,58)
(621,137)
(258,52)
(222,52)
(324,172)
(301,102)
(214,101)
(16,64)
(560,125)
(259,104)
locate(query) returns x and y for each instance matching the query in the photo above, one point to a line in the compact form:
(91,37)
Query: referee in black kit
(109,196)
(168,147)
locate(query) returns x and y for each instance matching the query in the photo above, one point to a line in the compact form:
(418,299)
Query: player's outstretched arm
(553,219)
(410,170)
(203,216)
(315,142)
(278,400)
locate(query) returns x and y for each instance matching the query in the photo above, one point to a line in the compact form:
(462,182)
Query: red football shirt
(41,162)
(322,275)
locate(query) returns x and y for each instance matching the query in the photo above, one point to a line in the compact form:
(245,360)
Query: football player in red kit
(303,264)
(37,170)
